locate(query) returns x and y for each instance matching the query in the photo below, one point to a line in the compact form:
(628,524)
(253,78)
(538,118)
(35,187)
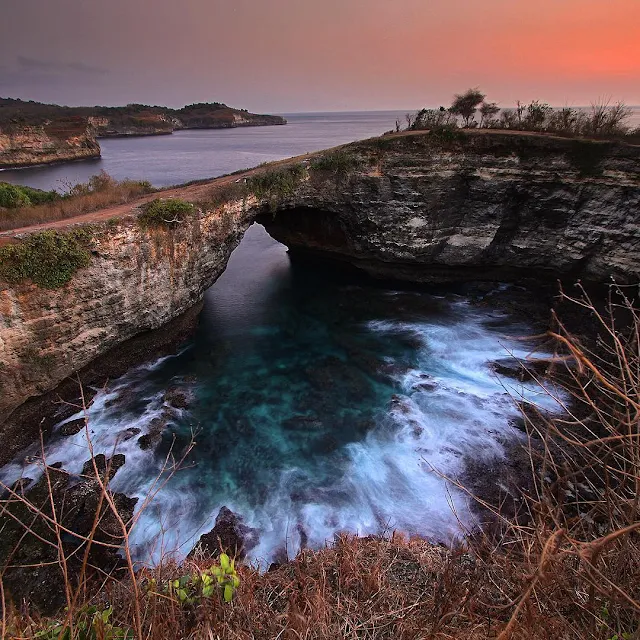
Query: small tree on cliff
(487,111)
(465,104)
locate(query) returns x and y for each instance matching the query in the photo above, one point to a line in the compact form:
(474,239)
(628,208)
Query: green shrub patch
(165,212)
(49,259)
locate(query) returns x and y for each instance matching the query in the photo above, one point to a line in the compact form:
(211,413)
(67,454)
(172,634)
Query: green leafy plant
(13,196)
(49,259)
(165,212)
(219,578)
(91,623)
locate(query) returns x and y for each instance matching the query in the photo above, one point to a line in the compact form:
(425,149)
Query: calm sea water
(318,405)
(195,154)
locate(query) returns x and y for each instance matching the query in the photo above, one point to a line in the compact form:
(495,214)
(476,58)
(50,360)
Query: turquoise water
(318,405)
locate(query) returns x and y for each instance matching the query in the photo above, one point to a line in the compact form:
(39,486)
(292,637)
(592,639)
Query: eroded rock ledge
(414,207)
(482,206)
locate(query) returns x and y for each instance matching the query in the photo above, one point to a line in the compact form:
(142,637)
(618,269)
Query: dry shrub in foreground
(99,192)
(574,550)
(567,566)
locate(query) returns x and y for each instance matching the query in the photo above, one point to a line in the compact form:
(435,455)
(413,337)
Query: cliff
(51,141)
(36,133)
(414,207)
(472,206)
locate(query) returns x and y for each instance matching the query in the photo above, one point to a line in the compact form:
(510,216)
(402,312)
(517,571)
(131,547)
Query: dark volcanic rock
(229,534)
(102,464)
(35,575)
(177,397)
(522,370)
(127,434)
(153,437)
(71,428)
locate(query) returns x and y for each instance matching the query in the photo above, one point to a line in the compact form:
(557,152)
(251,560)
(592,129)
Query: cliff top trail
(192,192)
(187,192)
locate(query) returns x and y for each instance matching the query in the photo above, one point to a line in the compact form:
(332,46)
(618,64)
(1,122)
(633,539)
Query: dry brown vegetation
(567,565)
(602,120)
(99,192)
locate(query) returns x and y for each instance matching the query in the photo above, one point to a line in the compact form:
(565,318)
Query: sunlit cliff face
(286,55)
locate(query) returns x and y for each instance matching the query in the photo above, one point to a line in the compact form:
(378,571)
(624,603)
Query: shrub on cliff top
(165,212)
(49,259)
(98,192)
(13,196)
(339,162)
(277,183)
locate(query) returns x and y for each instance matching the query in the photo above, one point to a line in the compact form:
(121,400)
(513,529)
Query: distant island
(37,133)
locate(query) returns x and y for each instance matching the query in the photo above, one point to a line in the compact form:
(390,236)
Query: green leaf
(224,561)
(235,581)
(207,591)
(228,593)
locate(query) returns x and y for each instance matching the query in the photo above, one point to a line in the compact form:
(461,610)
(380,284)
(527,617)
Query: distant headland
(37,133)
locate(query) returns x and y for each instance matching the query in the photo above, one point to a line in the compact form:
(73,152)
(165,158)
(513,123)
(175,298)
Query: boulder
(35,574)
(521,370)
(177,397)
(71,428)
(229,535)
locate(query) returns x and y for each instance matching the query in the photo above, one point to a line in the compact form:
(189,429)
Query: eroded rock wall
(415,207)
(484,206)
(139,279)
(56,141)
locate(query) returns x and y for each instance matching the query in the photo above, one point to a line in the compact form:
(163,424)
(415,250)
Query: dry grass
(99,192)
(567,566)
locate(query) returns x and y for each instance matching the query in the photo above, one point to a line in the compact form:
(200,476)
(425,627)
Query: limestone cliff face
(152,125)
(55,141)
(138,279)
(480,206)
(413,207)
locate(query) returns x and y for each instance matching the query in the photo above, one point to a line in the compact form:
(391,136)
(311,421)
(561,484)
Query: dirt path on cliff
(191,192)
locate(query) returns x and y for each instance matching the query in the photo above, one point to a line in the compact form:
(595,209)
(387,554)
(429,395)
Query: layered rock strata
(58,141)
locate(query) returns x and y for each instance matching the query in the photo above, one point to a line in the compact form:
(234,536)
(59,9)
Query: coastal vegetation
(472,110)
(13,196)
(165,212)
(24,206)
(49,259)
(131,119)
(275,184)
(558,560)
(336,162)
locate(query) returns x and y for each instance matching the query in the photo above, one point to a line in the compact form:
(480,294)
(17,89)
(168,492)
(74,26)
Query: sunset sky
(300,55)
